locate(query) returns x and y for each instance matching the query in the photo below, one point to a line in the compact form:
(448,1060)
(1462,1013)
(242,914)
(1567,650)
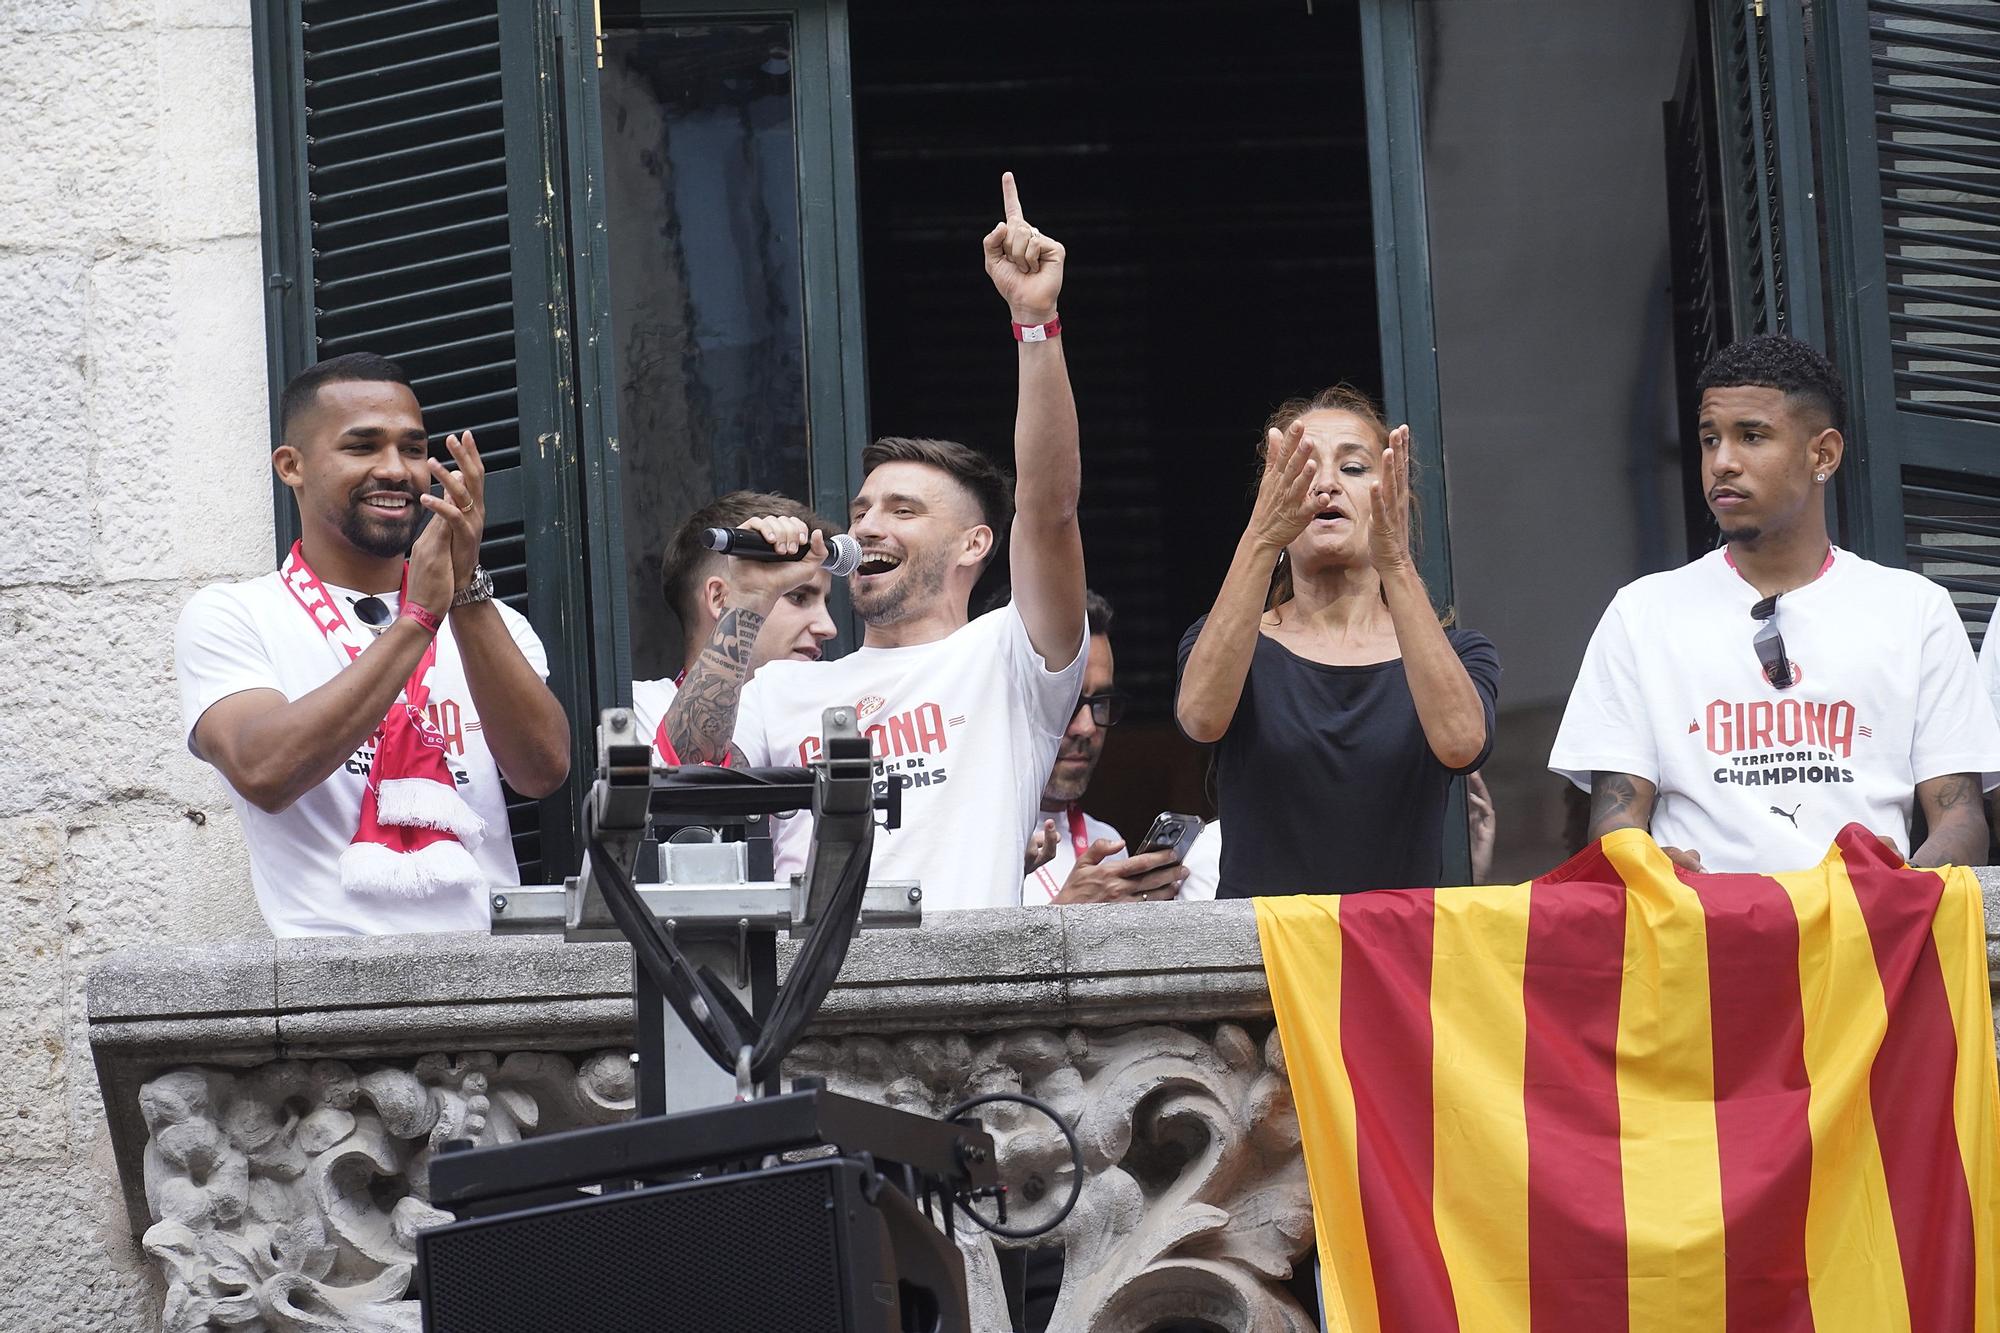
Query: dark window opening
(1207,166)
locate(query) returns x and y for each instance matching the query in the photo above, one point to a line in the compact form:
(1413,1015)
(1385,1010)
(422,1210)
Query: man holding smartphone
(361,707)
(1090,863)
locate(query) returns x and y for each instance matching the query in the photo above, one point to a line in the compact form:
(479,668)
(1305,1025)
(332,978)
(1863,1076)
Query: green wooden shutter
(1765,159)
(1911,102)
(418,189)
(1392,79)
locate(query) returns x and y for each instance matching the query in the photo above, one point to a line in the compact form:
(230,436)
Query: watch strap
(480,589)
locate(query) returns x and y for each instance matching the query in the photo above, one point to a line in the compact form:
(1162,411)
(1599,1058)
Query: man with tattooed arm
(965,714)
(1746,707)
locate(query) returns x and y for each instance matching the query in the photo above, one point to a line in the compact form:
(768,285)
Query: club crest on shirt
(869,706)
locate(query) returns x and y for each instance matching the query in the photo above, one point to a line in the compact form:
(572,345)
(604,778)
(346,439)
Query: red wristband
(1038,333)
(411,611)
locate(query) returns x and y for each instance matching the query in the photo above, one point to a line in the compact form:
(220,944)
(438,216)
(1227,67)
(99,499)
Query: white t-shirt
(970,724)
(1989,661)
(1758,779)
(1040,888)
(1204,863)
(234,637)
(650,701)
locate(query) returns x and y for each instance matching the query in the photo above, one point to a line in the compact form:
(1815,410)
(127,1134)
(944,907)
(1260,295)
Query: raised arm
(1956,819)
(274,750)
(1449,708)
(1046,548)
(526,727)
(701,721)
(1212,684)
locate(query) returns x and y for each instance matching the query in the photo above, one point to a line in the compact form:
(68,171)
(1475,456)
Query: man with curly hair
(1746,707)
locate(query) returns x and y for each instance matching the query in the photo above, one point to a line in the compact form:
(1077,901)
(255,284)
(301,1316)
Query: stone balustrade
(274,1107)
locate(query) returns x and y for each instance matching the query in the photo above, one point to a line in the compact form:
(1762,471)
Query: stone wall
(132,470)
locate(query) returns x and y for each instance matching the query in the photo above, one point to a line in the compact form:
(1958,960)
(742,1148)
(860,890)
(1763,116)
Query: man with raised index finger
(362,708)
(966,715)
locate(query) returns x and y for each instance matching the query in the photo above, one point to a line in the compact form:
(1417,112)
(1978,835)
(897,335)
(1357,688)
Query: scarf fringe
(428,803)
(372,870)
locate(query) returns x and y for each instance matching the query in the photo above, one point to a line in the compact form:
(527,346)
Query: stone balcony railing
(274,1107)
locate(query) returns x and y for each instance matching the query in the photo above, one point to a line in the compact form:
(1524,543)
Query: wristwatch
(479,590)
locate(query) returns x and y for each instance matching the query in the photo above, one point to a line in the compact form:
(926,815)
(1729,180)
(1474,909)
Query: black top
(1325,781)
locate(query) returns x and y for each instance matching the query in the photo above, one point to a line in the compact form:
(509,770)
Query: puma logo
(1791,814)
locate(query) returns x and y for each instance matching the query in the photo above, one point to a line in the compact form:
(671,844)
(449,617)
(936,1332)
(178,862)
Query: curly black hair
(1774,361)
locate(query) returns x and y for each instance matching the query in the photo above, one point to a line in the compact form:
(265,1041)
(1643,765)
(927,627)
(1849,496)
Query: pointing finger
(1010,198)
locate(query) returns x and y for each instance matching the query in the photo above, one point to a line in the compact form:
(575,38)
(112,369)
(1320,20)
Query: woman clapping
(1340,707)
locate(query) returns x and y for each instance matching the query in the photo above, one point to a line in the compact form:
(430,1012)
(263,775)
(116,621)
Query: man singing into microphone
(965,714)
(698,584)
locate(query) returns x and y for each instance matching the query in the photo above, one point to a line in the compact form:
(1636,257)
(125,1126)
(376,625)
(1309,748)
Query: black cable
(818,962)
(1075,1156)
(814,968)
(669,969)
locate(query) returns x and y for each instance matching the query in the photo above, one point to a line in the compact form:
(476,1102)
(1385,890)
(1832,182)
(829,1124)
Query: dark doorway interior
(1206,163)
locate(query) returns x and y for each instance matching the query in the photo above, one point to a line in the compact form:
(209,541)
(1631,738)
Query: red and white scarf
(416,831)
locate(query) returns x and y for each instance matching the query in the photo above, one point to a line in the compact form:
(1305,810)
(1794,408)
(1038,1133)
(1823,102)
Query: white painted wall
(133,469)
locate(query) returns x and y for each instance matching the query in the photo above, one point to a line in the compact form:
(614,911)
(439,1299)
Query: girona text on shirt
(905,743)
(1777,730)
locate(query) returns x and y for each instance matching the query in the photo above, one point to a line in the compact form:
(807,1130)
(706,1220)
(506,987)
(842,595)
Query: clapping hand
(462,507)
(1285,500)
(1389,506)
(1026,266)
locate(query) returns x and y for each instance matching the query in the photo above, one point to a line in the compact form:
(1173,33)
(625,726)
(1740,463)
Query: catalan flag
(1620,1098)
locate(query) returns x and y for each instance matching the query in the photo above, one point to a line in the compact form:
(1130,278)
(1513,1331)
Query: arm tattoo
(1616,802)
(702,719)
(1957,818)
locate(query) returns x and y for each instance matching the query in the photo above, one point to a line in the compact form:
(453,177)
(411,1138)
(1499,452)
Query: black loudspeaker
(818,1247)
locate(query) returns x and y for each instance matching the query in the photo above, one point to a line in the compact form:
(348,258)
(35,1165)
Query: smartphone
(1170,832)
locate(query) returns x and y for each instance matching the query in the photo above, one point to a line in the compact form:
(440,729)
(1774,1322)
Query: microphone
(843,553)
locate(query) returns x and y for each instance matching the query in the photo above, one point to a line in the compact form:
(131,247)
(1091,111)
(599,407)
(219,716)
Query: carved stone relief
(1194,1203)
(286,1197)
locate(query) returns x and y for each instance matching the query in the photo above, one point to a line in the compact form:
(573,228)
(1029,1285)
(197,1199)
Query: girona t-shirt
(234,637)
(1759,779)
(969,724)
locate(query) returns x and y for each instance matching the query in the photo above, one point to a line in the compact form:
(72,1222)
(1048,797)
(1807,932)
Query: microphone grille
(843,555)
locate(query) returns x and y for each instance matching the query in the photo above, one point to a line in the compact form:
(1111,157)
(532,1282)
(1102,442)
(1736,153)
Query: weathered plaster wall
(133,441)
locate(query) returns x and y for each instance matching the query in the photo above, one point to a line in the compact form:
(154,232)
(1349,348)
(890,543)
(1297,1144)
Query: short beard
(1747,536)
(920,584)
(370,539)
(1061,790)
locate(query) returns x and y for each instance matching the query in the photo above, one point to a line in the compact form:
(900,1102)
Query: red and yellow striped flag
(1622,1098)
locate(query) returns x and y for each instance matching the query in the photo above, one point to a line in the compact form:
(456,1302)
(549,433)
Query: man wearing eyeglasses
(1089,863)
(1746,707)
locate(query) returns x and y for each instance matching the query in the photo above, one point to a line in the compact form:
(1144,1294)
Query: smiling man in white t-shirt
(966,715)
(362,709)
(1747,706)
